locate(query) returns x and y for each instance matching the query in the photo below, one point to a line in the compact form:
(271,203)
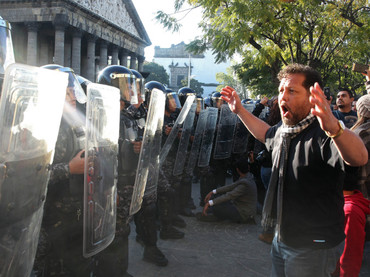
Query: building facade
(85,35)
(180,64)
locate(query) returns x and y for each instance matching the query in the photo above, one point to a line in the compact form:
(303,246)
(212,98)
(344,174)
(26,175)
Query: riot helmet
(139,83)
(217,101)
(207,102)
(200,104)
(74,89)
(122,78)
(148,90)
(183,93)
(172,101)
(6,48)
(246,101)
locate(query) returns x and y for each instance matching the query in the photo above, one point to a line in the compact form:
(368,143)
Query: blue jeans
(303,262)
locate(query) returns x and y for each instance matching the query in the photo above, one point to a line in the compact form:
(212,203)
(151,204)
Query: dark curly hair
(311,75)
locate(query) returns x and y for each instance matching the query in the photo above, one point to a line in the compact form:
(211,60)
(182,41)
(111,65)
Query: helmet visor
(217,102)
(74,85)
(127,85)
(140,87)
(173,101)
(200,105)
(6,46)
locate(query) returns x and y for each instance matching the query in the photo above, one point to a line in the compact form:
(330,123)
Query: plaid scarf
(273,206)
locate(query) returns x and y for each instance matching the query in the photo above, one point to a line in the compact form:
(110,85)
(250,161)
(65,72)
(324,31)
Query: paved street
(212,249)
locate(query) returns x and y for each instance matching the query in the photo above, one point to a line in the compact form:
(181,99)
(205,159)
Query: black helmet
(217,101)
(246,101)
(208,101)
(72,81)
(183,93)
(6,48)
(149,86)
(122,78)
(172,101)
(139,83)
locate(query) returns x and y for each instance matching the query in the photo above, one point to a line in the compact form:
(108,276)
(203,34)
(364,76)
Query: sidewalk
(212,249)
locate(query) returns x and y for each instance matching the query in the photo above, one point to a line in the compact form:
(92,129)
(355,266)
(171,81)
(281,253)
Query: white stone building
(176,62)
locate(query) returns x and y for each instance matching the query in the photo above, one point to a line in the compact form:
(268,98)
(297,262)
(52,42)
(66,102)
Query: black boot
(153,255)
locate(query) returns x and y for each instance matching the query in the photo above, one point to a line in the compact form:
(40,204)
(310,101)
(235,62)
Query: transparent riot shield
(31,108)
(182,150)
(175,129)
(152,180)
(149,153)
(194,152)
(207,139)
(241,136)
(225,133)
(100,179)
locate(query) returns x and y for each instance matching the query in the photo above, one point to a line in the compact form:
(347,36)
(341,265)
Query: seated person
(236,202)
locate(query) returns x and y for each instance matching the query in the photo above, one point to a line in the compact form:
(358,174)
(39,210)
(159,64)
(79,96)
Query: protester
(304,199)
(237,201)
(344,112)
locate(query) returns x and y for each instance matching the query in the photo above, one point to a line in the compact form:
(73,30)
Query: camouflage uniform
(168,188)
(60,247)
(117,251)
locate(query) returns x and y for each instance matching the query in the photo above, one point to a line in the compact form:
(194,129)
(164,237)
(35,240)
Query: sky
(156,32)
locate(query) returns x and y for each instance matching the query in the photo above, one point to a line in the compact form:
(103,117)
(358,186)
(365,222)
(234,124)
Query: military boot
(153,255)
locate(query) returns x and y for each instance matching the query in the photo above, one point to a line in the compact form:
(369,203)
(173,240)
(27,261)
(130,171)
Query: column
(32,28)
(76,52)
(140,60)
(103,61)
(68,53)
(133,61)
(60,23)
(114,55)
(90,71)
(123,57)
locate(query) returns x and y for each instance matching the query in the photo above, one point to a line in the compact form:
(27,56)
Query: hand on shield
(137,146)
(77,164)
(167,130)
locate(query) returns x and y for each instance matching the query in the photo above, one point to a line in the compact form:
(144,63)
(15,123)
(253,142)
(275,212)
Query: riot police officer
(166,192)
(145,218)
(123,79)
(60,254)
(214,175)
(186,203)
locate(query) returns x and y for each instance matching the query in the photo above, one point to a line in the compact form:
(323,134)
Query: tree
(194,85)
(268,34)
(230,79)
(157,73)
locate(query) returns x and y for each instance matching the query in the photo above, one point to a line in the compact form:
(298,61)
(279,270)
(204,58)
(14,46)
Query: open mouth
(284,110)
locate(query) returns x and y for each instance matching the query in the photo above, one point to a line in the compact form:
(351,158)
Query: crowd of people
(303,165)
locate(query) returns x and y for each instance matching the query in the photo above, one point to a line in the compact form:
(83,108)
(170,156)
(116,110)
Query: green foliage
(157,73)
(325,34)
(194,85)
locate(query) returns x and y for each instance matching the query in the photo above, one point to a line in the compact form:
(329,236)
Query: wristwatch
(341,130)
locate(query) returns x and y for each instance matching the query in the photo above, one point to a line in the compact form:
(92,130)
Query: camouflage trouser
(145,221)
(60,248)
